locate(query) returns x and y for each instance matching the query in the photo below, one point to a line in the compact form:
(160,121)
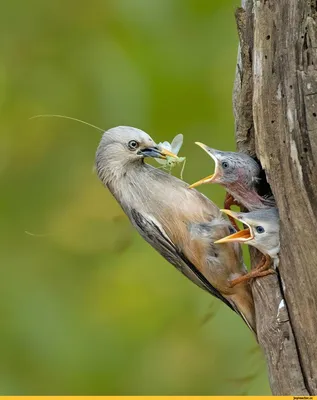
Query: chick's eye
(260,229)
(225,164)
(133,144)
(232,230)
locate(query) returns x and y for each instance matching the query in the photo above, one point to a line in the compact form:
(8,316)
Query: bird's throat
(246,196)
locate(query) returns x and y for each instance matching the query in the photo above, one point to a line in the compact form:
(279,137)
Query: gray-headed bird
(262,231)
(181,224)
(240,175)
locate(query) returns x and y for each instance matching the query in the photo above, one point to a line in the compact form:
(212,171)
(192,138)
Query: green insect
(170,162)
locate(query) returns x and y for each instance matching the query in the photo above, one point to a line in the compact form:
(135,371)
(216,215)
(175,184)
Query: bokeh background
(87,307)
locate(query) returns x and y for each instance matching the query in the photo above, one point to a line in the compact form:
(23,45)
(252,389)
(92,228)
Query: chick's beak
(242,236)
(208,178)
(155,152)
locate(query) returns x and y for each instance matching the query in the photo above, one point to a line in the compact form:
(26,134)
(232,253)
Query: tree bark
(275,107)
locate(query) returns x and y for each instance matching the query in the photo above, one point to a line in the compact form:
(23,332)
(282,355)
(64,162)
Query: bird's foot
(262,269)
(230,201)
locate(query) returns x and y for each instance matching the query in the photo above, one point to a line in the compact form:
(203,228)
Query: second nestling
(262,232)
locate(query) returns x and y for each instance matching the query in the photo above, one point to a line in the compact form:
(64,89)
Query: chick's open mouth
(242,236)
(208,178)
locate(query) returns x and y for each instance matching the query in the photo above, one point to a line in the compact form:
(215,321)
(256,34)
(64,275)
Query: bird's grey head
(262,230)
(122,147)
(230,168)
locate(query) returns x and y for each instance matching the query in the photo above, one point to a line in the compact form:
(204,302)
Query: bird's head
(124,145)
(262,229)
(230,168)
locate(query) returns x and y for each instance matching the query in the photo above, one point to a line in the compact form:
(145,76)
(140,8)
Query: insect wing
(165,145)
(177,143)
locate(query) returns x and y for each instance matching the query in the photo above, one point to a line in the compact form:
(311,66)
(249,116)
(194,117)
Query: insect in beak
(155,152)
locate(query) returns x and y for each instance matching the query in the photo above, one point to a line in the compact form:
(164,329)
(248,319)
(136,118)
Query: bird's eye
(260,229)
(232,230)
(133,144)
(224,164)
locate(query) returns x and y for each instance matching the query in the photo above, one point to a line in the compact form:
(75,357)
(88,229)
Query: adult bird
(180,224)
(240,175)
(262,232)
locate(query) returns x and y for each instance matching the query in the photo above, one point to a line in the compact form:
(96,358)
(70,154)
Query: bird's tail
(243,304)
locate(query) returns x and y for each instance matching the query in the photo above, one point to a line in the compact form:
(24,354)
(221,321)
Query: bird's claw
(262,269)
(230,201)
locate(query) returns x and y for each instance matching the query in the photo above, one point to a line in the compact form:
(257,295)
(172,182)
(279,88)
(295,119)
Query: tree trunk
(275,106)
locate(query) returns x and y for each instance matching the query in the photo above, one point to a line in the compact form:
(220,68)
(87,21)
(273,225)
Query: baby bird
(239,174)
(181,224)
(262,232)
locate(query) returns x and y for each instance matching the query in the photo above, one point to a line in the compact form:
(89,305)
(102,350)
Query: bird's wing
(154,234)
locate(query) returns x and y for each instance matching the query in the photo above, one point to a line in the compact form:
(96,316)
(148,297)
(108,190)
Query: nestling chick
(262,232)
(182,225)
(239,174)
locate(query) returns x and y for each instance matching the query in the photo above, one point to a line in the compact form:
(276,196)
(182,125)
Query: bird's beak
(208,178)
(242,236)
(155,152)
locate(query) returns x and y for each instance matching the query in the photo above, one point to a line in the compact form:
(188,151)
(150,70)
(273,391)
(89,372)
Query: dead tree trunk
(275,106)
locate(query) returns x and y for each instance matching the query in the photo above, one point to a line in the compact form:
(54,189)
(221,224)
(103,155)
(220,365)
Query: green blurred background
(87,307)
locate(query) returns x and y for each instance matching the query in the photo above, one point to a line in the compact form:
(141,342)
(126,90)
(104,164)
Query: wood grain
(275,108)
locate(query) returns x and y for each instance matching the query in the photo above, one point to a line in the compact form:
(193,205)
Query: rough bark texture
(275,107)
